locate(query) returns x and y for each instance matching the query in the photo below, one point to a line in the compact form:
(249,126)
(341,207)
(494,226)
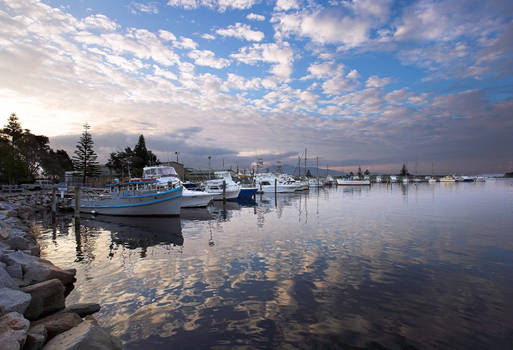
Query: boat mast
(305,162)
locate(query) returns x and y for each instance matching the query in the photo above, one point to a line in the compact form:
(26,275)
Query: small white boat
(378,179)
(447,179)
(167,175)
(215,186)
(393,178)
(355,181)
(405,180)
(135,198)
(480,179)
(430,179)
(315,183)
(269,183)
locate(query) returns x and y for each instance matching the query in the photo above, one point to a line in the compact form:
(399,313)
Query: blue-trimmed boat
(144,197)
(247,192)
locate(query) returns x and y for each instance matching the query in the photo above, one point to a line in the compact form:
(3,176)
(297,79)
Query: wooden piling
(224,191)
(54,203)
(77,204)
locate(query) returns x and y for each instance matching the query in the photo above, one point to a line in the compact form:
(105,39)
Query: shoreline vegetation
(33,311)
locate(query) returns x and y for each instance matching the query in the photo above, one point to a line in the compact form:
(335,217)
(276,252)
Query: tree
(55,164)
(85,157)
(360,171)
(308,174)
(367,172)
(134,160)
(13,130)
(404,170)
(13,167)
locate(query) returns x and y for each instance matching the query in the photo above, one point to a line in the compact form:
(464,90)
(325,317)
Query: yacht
(168,175)
(393,178)
(215,186)
(447,178)
(378,179)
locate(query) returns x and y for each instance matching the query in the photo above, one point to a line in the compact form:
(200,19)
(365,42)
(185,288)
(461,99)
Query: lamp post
(177,153)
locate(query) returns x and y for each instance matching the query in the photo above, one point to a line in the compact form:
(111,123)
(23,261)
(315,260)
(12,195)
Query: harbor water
(418,266)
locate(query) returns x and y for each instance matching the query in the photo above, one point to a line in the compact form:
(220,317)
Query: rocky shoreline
(33,311)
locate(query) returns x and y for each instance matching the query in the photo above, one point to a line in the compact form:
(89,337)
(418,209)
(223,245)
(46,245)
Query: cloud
(241,31)
(207,58)
(98,22)
(375,81)
(280,55)
(255,17)
(166,36)
(150,7)
(220,5)
(185,43)
(208,36)
(285,5)
(349,25)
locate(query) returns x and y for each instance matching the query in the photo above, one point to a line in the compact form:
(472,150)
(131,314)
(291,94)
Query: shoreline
(33,310)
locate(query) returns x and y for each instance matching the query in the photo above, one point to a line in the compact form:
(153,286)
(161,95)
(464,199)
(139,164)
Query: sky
(365,83)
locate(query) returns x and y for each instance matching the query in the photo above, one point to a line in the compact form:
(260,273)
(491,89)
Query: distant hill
(292,170)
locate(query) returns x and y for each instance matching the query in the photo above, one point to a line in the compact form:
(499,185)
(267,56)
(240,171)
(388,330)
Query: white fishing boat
(355,181)
(378,179)
(135,198)
(480,179)
(430,179)
(167,174)
(269,183)
(447,179)
(393,178)
(215,186)
(315,182)
(406,180)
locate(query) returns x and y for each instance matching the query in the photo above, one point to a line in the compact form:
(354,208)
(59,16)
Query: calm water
(427,266)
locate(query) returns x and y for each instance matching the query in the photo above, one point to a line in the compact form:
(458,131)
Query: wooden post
(77,204)
(275,193)
(54,203)
(224,191)
(275,185)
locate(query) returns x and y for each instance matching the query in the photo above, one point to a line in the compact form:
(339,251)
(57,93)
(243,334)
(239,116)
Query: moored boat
(215,187)
(136,198)
(355,181)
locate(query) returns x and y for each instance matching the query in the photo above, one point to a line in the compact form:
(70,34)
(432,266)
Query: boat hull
(196,199)
(279,188)
(353,182)
(247,192)
(166,203)
(218,196)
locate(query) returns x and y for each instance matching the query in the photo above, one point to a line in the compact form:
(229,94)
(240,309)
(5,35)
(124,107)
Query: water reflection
(395,266)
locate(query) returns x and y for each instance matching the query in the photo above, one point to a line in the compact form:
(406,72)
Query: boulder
(87,335)
(6,280)
(47,297)
(4,233)
(15,271)
(13,300)
(23,243)
(13,331)
(43,270)
(36,338)
(19,258)
(83,309)
(58,323)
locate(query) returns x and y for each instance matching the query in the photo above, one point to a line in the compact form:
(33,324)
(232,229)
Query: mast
(305,162)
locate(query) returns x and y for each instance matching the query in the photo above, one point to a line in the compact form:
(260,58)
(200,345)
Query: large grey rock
(36,338)
(19,258)
(6,280)
(58,323)
(86,336)
(83,309)
(15,271)
(43,270)
(12,300)
(13,331)
(47,297)
(23,243)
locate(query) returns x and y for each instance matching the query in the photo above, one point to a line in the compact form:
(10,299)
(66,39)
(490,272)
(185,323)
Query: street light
(177,153)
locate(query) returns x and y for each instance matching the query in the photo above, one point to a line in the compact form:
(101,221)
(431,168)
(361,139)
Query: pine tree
(85,157)
(404,170)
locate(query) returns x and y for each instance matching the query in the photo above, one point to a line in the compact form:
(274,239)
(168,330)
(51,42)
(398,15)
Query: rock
(6,280)
(58,323)
(43,270)
(36,338)
(13,331)
(15,271)
(19,258)
(87,335)
(4,234)
(22,243)
(13,300)
(47,297)
(83,309)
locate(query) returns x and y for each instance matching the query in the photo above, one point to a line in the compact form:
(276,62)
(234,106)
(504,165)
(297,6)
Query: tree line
(25,156)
